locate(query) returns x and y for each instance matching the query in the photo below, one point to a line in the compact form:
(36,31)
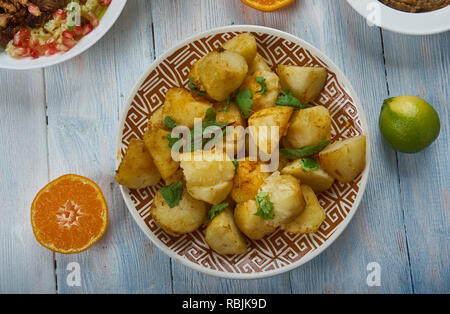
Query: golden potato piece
(260,100)
(306,83)
(248,180)
(260,125)
(185,217)
(251,225)
(244,45)
(223,236)
(234,141)
(158,146)
(201,169)
(311,218)
(212,194)
(182,107)
(221,73)
(258,64)
(345,159)
(137,169)
(157,119)
(309,126)
(195,76)
(176,177)
(318,179)
(287,198)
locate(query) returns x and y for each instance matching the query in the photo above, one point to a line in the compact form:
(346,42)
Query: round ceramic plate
(278,252)
(403,22)
(107,21)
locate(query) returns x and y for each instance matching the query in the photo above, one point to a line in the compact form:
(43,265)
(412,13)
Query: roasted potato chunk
(137,169)
(212,194)
(345,159)
(248,180)
(250,224)
(287,198)
(260,125)
(185,217)
(156,142)
(258,64)
(206,178)
(223,236)
(231,114)
(182,107)
(311,218)
(306,83)
(157,119)
(221,73)
(318,179)
(244,45)
(309,127)
(263,100)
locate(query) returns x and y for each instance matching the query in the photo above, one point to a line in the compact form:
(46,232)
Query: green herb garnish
(172,139)
(307,151)
(235,163)
(172,193)
(261,81)
(169,123)
(195,88)
(216,210)
(210,115)
(244,100)
(309,164)
(287,99)
(265,206)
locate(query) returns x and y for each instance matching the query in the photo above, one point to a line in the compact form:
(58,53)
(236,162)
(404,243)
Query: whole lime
(409,124)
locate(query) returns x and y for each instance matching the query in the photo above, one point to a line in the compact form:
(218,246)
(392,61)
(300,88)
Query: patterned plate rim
(341,78)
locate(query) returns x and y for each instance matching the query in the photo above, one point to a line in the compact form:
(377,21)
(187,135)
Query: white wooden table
(64,119)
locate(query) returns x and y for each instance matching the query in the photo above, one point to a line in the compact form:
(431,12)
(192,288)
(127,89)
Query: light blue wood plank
(420,66)
(173,22)
(25,267)
(375,233)
(85,97)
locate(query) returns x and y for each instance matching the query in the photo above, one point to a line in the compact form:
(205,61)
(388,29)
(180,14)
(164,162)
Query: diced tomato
(87,28)
(60,14)
(34,9)
(68,34)
(105,3)
(69,42)
(49,49)
(78,30)
(21,36)
(34,53)
(93,19)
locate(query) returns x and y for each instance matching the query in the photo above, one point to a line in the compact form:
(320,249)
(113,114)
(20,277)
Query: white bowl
(278,252)
(397,21)
(107,21)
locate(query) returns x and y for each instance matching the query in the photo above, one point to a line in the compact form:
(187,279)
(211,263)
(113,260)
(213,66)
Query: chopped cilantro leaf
(216,210)
(293,153)
(169,123)
(309,164)
(195,88)
(261,81)
(172,193)
(244,100)
(265,206)
(287,99)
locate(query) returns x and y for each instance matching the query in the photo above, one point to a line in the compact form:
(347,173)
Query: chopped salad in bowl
(35,28)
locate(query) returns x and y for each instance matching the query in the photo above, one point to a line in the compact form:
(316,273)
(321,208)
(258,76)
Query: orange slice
(267,5)
(69,214)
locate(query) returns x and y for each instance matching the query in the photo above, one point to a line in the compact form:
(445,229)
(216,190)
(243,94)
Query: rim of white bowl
(309,256)
(426,23)
(108,20)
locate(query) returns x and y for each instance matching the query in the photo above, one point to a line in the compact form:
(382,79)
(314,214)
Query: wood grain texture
(403,220)
(85,97)
(26,267)
(424,177)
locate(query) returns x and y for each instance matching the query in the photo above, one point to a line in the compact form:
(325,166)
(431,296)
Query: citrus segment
(267,5)
(69,214)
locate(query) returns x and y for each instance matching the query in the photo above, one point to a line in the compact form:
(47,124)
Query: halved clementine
(69,214)
(267,5)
